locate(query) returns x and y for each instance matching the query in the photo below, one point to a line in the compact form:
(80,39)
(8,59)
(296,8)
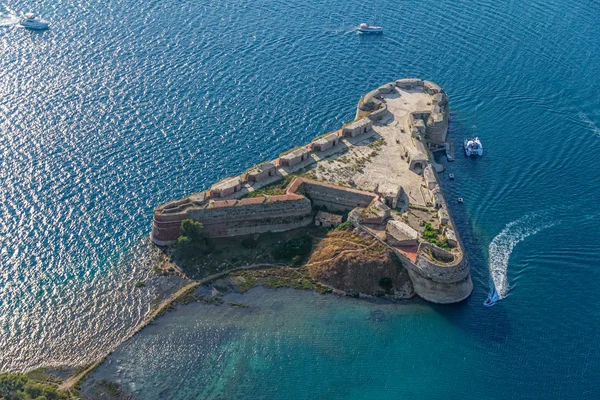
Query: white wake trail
(589,123)
(9,18)
(502,246)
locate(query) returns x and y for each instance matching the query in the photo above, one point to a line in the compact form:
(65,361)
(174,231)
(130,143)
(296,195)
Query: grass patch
(237,305)
(111,388)
(293,249)
(273,189)
(295,278)
(432,236)
(20,386)
(246,282)
(344,226)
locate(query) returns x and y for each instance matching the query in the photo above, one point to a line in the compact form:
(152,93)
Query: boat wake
(589,123)
(8,18)
(502,246)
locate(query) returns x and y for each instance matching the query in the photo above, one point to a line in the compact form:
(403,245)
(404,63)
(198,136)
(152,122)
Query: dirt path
(68,384)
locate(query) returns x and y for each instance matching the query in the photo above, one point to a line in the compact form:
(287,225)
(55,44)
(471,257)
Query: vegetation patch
(295,278)
(433,236)
(111,388)
(293,249)
(274,189)
(237,305)
(192,241)
(344,226)
(21,387)
(356,262)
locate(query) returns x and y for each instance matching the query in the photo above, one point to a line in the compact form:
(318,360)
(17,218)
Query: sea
(125,104)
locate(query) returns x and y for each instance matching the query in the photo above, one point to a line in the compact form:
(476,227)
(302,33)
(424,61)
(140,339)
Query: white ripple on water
(586,120)
(503,244)
(8,19)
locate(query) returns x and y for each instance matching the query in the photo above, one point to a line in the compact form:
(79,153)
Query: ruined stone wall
(335,197)
(437,128)
(446,284)
(234,220)
(253,218)
(378,115)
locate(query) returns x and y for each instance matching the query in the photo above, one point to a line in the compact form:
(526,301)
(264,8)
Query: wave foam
(503,244)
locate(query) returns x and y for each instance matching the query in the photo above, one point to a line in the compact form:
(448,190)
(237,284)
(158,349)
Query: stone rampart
(335,198)
(445,284)
(237,217)
(378,115)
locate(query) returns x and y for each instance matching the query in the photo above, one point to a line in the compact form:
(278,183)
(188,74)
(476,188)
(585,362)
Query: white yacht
(473,146)
(366,28)
(30,21)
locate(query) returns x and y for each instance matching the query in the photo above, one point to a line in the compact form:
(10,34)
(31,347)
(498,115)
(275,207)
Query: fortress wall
(166,232)
(437,128)
(336,197)
(378,115)
(441,293)
(254,218)
(439,284)
(409,83)
(280,213)
(434,283)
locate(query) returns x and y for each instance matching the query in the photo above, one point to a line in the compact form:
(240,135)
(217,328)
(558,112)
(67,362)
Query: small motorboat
(366,28)
(451,176)
(461,200)
(30,21)
(492,299)
(489,302)
(473,147)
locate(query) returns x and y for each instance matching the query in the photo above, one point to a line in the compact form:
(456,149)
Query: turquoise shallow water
(125,104)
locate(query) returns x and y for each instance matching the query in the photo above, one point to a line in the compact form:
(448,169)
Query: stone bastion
(396,127)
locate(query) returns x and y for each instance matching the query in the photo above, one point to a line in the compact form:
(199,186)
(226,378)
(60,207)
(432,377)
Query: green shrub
(18,386)
(300,246)
(249,243)
(191,242)
(386,283)
(344,226)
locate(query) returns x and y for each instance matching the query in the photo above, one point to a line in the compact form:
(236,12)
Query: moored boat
(30,21)
(473,147)
(366,28)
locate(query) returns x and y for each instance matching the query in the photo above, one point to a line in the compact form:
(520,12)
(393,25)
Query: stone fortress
(378,169)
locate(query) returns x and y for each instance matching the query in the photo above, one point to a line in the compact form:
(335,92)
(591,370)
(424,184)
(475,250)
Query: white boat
(30,21)
(366,28)
(451,176)
(473,147)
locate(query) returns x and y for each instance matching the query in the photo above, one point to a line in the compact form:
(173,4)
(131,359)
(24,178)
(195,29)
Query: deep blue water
(125,104)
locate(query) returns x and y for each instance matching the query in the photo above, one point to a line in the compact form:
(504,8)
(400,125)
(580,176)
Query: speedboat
(489,302)
(366,28)
(30,21)
(492,299)
(473,146)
